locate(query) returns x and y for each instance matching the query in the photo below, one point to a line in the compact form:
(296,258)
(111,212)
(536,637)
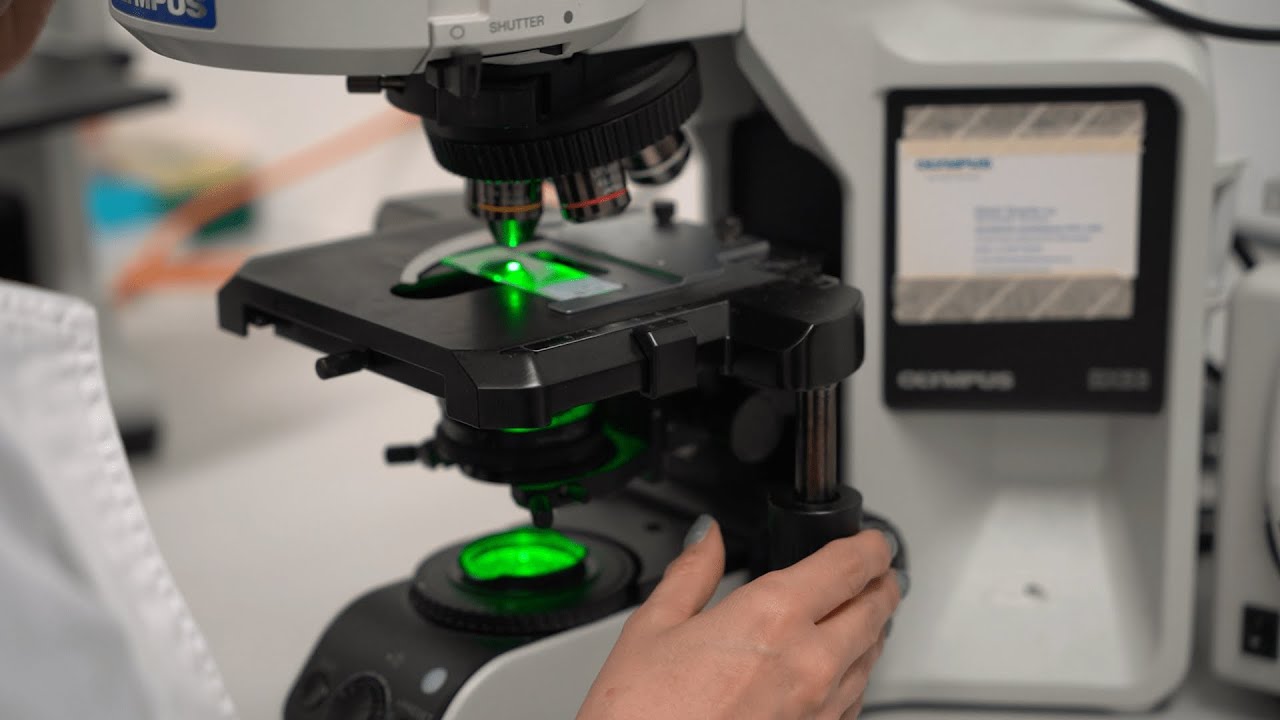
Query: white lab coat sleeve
(91,624)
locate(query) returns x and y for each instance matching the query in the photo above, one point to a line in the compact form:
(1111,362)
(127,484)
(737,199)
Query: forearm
(20,24)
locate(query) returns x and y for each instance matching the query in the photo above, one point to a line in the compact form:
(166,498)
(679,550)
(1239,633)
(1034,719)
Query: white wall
(1247,76)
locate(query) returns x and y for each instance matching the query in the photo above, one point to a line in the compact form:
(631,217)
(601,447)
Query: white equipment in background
(1246,630)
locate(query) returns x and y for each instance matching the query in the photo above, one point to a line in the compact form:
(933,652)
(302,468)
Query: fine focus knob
(361,697)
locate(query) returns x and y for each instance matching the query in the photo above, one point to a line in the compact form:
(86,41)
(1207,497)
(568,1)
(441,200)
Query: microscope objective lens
(511,208)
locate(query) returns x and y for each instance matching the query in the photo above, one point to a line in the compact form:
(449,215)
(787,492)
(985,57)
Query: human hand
(20,25)
(795,643)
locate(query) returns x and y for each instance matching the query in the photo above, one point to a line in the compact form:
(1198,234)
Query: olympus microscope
(1020,189)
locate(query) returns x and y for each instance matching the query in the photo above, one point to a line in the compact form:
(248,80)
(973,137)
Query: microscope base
(381,655)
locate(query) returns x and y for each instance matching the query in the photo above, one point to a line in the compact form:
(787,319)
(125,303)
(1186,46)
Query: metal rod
(817,479)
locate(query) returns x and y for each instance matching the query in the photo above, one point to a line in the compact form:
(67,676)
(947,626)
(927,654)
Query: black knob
(364,84)
(343,363)
(664,212)
(396,454)
(799,529)
(361,697)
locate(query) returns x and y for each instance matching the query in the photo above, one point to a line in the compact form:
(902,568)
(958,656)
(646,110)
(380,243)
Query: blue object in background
(115,203)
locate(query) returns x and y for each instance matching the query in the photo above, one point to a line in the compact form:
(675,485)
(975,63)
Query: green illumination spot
(513,301)
(627,447)
(515,269)
(553,280)
(573,414)
(523,553)
(513,233)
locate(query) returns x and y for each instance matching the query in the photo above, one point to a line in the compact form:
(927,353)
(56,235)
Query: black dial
(361,697)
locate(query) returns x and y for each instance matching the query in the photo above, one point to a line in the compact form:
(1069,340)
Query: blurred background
(265,487)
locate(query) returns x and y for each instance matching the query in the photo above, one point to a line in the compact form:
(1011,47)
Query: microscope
(1022,194)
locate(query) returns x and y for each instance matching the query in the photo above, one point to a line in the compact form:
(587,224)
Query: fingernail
(904,582)
(698,530)
(892,540)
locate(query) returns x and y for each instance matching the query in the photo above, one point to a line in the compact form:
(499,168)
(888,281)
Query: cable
(1213,370)
(1243,252)
(1206,26)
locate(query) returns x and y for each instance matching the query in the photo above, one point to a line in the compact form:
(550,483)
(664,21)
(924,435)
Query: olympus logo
(955,163)
(957,380)
(194,9)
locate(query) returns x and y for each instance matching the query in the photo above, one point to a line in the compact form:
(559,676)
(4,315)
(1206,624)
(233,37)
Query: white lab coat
(91,624)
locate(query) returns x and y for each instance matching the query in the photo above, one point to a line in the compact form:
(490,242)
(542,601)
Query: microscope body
(1027,414)
(1039,457)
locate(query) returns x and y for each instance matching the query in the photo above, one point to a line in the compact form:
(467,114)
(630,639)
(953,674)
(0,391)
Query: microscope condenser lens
(523,554)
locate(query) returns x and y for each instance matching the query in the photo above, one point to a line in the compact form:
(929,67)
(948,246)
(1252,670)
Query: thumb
(690,580)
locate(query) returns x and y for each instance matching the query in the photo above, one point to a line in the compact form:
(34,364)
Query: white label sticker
(1018,212)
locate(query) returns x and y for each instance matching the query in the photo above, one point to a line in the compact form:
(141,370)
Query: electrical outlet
(1271,196)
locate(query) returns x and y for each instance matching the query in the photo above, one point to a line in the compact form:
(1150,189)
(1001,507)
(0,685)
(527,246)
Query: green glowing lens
(573,414)
(513,232)
(524,553)
(513,266)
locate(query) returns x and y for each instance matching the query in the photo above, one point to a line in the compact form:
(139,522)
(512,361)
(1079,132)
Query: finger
(839,571)
(690,579)
(859,623)
(847,696)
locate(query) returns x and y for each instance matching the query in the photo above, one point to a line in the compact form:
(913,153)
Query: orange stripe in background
(156,262)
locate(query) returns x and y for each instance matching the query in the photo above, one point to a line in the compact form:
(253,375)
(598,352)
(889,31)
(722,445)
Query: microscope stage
(503,356)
